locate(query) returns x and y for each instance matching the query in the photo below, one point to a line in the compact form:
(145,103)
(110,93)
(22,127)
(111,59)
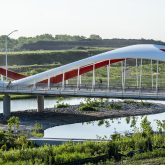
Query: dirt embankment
(60,116)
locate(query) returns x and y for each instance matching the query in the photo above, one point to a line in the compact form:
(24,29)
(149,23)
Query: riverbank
(19,97)
(51,117)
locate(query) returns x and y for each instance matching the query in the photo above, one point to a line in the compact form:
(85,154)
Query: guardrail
(87,90)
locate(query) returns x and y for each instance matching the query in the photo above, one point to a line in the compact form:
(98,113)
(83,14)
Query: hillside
(62,45)
(43,57)
(64,42)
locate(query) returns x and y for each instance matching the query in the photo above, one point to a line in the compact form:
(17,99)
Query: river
(87,130)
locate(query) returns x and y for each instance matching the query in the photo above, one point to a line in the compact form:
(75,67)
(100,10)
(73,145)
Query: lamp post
(6,50)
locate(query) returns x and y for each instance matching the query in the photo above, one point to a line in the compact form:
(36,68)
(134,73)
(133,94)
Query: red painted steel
(11,74)
(162,50)
(68,75)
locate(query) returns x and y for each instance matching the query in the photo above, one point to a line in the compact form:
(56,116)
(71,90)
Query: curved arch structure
(145,51)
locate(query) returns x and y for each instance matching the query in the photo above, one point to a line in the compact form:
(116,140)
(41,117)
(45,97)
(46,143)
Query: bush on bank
(120,147)
(142,144)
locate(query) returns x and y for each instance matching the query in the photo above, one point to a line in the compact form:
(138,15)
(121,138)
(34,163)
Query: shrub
(115,106)
(86,107)
(37,130)
(13,122)
(62,105)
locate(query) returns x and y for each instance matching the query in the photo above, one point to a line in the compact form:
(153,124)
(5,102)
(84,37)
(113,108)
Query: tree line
(18,43)
(64,41)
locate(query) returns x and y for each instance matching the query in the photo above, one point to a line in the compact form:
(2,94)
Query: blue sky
(108,18)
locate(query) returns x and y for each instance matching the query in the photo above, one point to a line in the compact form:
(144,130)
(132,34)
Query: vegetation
(96,104)
(139,103)
(48,41)
(37,130)
(13,123)
(115,106)
(142,146)
(60,103)
(44,57)
(89,105)
(18,43)
(86,107)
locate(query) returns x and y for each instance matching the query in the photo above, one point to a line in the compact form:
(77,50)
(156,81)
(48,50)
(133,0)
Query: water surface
(84,130)
(101,128)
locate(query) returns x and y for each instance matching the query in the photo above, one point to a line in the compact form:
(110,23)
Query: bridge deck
(127,93)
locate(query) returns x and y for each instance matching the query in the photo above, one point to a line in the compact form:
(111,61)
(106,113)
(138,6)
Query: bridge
(134,72)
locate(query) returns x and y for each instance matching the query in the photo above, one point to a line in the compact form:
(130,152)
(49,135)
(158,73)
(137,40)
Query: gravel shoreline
(51,117)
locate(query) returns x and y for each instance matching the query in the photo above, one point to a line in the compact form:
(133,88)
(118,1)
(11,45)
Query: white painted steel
(152,79)
(125,67)
(108,74)
(157,72)
(137,83)
(63,80)
(48,83)
(78,78)
(122,75)
(93,80)
(141,64)
(145,51)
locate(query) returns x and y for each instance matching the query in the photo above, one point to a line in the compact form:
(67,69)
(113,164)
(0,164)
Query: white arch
(144,51)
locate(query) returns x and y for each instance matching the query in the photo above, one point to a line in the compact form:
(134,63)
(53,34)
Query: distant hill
(62,45)
(65,42)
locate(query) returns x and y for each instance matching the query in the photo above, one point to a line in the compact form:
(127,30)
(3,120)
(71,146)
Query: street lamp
(6,50)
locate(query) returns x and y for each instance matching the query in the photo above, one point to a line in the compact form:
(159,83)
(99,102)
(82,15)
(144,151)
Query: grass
(48,52)
(141,147)
(16,97)
(152,161)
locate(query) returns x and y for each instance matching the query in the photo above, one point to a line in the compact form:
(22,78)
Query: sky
(107,18)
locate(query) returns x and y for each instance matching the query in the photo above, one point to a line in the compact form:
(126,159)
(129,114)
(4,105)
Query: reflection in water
(102,128)
(133,122)
(88,129)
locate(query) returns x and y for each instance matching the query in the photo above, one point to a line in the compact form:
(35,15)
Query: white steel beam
(141,65)
(48,83)
(157,72)
(78,78)
(137,83)
(152,79)
(108,73)
(63,80)
(93,80)
(125,67)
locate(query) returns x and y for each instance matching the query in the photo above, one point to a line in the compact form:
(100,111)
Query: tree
(146,126)
(63,37)
(44,37)
(13,123)
(95,37)
(160,125)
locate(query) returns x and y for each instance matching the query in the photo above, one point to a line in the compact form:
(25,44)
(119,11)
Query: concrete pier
(40,103)
(6,106)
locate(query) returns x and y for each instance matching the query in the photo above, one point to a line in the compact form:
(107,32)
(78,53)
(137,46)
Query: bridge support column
(6,106)
(40,103)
